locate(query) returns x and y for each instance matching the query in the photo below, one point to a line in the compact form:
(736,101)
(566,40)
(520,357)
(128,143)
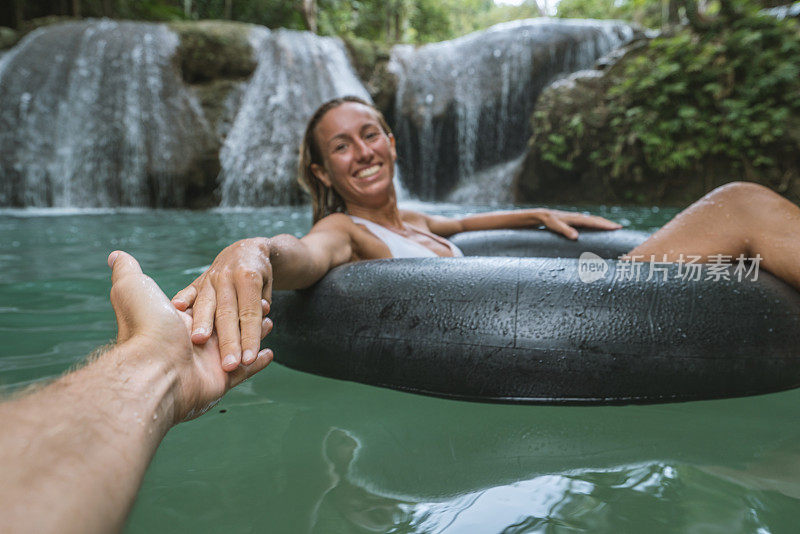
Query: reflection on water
(295,453)
(400,465)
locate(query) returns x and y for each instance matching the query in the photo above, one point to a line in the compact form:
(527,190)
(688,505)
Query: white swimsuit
(401,246)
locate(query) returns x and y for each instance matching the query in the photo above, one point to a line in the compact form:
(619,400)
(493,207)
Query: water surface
(295,453)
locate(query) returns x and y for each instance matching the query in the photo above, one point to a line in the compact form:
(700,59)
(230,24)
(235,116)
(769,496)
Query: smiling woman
(347,165)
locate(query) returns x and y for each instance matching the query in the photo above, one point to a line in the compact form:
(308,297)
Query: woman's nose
(363,150)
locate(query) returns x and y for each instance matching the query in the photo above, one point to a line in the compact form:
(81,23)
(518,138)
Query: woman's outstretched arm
(560,222)
(236,291)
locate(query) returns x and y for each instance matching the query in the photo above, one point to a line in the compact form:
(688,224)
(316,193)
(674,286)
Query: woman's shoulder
(414,217)
(334,221)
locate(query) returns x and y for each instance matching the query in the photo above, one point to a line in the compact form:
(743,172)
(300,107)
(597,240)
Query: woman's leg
(737,218)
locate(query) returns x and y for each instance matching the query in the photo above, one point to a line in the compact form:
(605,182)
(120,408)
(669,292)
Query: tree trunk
(696,19)
(228,9)
(673,16)
(19,14)
(308,8)
(398,26)
(76,8)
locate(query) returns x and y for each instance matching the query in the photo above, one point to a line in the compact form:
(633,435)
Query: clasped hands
(235,295)
(149,322)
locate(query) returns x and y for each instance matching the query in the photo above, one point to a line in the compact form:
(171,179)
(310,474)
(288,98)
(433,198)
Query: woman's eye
(339,147)
(371,135)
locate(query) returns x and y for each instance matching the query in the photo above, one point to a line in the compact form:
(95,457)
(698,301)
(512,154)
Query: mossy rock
(8,37)
(214,49)
(579,153)
(370,60)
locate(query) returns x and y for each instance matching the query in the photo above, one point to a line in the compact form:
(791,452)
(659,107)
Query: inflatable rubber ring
(529,330)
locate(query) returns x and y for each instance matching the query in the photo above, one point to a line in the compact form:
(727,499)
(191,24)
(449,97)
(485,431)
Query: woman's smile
(368,172)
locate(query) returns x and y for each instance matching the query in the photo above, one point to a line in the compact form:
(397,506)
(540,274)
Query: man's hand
(146,317)
(233,295)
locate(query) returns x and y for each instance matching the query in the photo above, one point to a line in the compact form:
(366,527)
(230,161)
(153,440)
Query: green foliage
(389,21)
(730,95)
(649,13)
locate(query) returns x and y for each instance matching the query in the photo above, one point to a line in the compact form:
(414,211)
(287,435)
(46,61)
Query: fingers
(227,323)
(266,327)
(242,373)
(184,298)
(593,221)
(203,314)
(248,294)
(557,225)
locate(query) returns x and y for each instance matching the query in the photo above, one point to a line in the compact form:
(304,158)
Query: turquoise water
(295,453)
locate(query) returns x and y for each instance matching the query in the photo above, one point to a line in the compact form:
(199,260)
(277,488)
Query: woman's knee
(744,197)
(741,192)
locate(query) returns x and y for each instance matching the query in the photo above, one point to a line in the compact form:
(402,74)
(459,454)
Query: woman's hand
(563,222)
(234,295)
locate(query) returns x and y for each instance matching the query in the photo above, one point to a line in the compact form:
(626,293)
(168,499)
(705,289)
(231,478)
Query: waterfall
(464,106)
(94,113)
(297,71)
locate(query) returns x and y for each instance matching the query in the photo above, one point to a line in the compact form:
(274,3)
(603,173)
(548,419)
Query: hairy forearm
(73,453)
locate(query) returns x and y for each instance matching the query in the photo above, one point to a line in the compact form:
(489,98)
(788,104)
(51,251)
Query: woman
(347,164)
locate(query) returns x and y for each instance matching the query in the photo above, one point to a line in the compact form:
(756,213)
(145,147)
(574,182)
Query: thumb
(122,264)
(124,272)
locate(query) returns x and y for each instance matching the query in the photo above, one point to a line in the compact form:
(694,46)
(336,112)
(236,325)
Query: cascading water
(297,71)
(94,113)
(463,107)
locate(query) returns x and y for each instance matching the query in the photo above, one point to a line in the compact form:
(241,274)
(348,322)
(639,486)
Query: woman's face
(357,155)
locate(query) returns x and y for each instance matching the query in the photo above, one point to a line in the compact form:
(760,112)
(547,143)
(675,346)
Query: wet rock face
(213,49)
(95,114)
(216,59)
(463,106)
(371,63)
(297,71)
(537,180)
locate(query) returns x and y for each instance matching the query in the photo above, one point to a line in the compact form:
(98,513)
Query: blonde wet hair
(325,200)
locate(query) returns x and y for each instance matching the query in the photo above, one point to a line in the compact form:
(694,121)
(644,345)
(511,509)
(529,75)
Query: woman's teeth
(369,171)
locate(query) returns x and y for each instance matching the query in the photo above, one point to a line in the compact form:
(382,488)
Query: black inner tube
(528,330)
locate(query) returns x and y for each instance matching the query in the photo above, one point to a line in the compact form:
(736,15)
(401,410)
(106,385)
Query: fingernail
(266,352)
(229,360)
(199,332)
(247,357)
(112,258)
